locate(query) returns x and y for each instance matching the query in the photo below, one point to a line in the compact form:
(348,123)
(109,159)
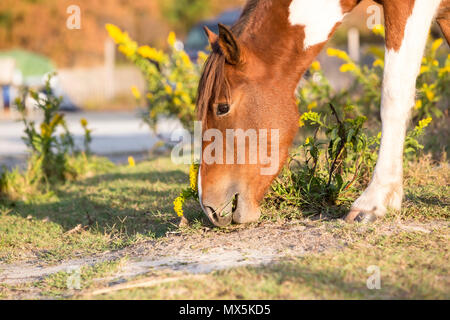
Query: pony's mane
(213,79)
(211,82)
(245,17)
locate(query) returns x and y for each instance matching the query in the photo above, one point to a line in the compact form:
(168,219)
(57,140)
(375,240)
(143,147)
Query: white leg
(399,81)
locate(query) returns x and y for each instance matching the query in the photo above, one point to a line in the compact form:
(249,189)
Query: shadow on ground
(125,203)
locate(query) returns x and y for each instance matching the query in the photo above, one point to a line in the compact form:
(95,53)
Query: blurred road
(114,134)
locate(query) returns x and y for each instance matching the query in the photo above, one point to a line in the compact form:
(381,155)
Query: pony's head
(249,119)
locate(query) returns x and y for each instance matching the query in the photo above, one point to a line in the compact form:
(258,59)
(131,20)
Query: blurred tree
(183,14)
(40,25)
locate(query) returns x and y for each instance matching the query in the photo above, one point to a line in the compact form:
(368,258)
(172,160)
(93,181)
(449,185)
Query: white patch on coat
(318,16)
(399,85)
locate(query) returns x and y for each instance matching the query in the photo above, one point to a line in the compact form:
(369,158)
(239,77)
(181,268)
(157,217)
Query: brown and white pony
(249,81)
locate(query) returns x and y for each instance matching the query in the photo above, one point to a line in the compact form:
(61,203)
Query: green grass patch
(66,283)
(104,212)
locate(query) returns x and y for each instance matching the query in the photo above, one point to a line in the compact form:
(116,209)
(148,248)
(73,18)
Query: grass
(66,283)
(104,212)
(420,272)
(56,285)
(131,205)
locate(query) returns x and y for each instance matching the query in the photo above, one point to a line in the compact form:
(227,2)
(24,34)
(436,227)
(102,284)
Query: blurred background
(94,80)
(34,34)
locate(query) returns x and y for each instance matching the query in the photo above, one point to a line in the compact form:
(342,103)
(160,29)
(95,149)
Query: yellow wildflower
(332,52)
(57,119)
(152,53)
(186,60)
(315,66)
(444,70)
(115,33)
(168,89)
(193,176)
(338,53)
(378,63)
(378,30)
(45,130)
(301,123)
(177,101)
(418,104)
(185,97)
(436,44)
(307,140)
(136,92)
(347,67)
(424,123)
(424,69)
(171,39)
(349,107)
(131,162)
(428,90)
(435,63)
(430,95)
(178,205)
(312,105)
(145,51)
(83,122)
(127,50)
(202,57)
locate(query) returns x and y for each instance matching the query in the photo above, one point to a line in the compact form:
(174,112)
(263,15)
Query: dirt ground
(207,250)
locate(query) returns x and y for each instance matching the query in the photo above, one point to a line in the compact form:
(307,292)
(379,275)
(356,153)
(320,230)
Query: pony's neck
(288,34)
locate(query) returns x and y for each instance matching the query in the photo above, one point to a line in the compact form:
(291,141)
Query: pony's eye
(222,108)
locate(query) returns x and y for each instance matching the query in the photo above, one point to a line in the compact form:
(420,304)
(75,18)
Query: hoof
(360,216)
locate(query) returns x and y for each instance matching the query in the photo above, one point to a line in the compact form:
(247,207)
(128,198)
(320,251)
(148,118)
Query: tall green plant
(172,78)
(48,150)
(52,155)
(335,163)
(433,84)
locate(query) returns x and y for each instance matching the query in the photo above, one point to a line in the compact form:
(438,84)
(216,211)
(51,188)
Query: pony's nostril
(210,211)
(235,203)
(217,219)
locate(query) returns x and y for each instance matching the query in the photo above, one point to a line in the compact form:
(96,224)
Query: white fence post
(353,44)
(110,52)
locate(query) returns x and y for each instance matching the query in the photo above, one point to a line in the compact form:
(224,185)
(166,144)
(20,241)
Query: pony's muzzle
(217,218)
(223,215)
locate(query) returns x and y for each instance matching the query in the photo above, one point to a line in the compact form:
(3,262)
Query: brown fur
(396,14)
(443,19)
(348,5)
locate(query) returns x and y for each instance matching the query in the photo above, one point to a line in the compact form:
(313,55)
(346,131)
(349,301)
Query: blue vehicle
(196,39)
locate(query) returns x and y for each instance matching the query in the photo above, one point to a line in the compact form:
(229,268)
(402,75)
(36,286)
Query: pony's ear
(229,45)
(212,37)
